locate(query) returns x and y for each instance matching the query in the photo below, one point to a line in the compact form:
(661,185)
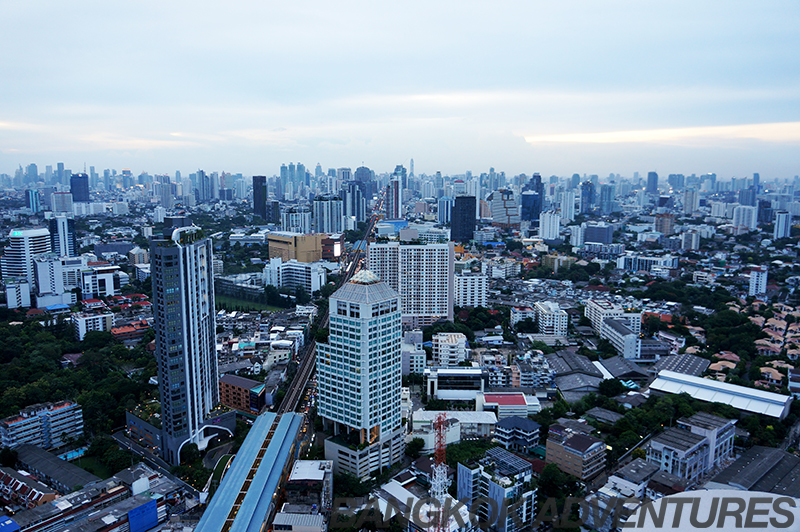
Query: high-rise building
(691,201)
(260,196)
(550,225)
(32,173)
(747,196)
(365,179)
(60,173)
(33,201)
(783,225)
(79,187)
(63,240)
(296,220)
(354,204)
(61,202)
(23,246)
(421,274)
(530,206)
(587,197)
(272,212)
(183,306)
(394,200)
(758,281)
(745,216)
(445,211)
(327,214)
(359,377)
(568,205)
(652,183)
(665,223)
(606,199)
(505,211)
(401,175)
(462,219)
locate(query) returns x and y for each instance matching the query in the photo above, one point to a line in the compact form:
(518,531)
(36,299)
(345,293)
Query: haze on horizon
(558,88)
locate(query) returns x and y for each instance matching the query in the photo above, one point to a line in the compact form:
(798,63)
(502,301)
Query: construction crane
(439,481)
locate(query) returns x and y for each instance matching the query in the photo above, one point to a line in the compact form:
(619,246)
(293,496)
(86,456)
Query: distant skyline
(558,88)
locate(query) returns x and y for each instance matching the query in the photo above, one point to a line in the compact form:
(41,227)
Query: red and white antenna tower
(439,480)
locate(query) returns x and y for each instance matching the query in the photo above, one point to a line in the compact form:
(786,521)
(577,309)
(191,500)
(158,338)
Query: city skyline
(558,89)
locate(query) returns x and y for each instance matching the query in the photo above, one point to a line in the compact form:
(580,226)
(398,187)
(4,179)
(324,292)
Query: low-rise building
(455,384)
(580,455)
(507,404)
(84,322)
(241,394)
(551,319)
(449,349)
(517,433)
(45,425)
(680,452)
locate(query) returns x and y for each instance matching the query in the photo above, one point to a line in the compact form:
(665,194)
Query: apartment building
(598,310)
(449,349)
(551,319)
(580,455)
(45,425)
(469,290)
(97,320)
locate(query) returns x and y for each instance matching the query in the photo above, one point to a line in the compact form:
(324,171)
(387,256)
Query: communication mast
(439,480)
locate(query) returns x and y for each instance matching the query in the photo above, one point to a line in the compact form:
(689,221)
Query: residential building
(516,433)
(297,220)
(580,455)
(598,232)
(460,426)
(421,274)
(45,425)
(469,289)
(18,292)
(521,313)
(138,256)
(500,476)
(239,393)
(783,225)
(551,319)
(598,310)
(690,240)
(22,490)
(445,211)
(49,469)
(746,217)
(556,262)
(310,483)
(394,200)
(183,307)
(462,219)
(550,225)
(568,205)
(310,276)
(636,262)
(758,281)
(665,223)
(327,213)
(288,246)
(691,201)
(359,377)
(449,349)
(96,320)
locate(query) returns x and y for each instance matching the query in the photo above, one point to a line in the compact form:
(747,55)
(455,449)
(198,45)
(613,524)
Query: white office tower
(394,200)
(783,225)
(746,217)
(359,377)
(183,306)
(758,281)
(449,349)
(691,201)
(23,245)
(327,214)
(421,274)
(568,205)
(549,225)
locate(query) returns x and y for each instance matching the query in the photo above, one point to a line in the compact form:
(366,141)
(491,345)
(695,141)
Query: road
(152,460)
(308,357)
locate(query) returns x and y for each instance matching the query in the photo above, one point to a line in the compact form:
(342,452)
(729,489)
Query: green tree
(414,447)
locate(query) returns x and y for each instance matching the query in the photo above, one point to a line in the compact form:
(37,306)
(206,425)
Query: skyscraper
(606,199)
(401,174)
(783,225)
(327,214)
(62,236)
(462,219)
(394,200)
(260,196)
(550,225)
(33,201)
(183,306)
(587,197)
(421,274)
(691,201)
(652,183)
(23,245)
(354,203)
(79,187)
(568,205)
(505,210)
(359,377)
(531,206)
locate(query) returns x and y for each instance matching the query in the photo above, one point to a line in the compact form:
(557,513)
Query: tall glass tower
(183,298)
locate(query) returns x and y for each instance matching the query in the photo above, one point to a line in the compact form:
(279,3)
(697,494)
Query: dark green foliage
(108,453)
(611,388)
(414,447)
(348,485)
(526,326)
(8,457)
(447,326)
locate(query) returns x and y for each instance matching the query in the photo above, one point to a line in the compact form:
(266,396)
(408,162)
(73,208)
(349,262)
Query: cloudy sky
(522,86)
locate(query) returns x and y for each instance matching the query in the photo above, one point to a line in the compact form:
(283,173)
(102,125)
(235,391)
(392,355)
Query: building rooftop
(505,399)
(748,399)
(706,421)
(518,423)
(507,463)
(463,416)
(52,466)
(240,382)
(686,364)
(680,439)
(637,471)
(763,469)
(604,415)
(310,469)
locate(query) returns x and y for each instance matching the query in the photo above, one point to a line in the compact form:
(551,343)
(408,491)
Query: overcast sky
(525,86)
